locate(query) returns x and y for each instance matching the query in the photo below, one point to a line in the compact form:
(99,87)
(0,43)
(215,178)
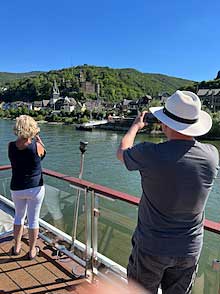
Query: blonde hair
(26,127)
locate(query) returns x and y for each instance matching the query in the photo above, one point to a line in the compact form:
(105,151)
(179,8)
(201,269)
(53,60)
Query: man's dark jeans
(175,275)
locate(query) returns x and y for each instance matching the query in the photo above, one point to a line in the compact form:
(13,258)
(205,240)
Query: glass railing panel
(5,179)
(59,205)
(82,234)
(208,277)
(116,224)
(213,203)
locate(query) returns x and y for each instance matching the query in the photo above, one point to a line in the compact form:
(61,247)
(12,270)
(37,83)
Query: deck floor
(45,274)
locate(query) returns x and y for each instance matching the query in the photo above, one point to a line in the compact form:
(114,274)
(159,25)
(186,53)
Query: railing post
(87,209)
(94,229)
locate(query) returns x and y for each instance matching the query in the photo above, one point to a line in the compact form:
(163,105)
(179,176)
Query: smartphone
(150,118)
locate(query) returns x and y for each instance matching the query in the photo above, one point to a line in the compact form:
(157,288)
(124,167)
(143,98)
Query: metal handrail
(99,189)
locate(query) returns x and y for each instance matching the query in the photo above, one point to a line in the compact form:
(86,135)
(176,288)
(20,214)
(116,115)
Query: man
(177,176)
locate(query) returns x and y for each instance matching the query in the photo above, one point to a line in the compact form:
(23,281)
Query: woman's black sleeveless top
(26,166)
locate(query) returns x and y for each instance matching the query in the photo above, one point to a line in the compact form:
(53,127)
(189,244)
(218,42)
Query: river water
(101,165)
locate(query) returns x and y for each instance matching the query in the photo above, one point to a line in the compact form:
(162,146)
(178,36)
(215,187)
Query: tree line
(114,84)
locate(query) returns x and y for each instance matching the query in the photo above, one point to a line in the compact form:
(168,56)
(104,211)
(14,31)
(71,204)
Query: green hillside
(209,84)
(114,84)
(6,77)
(212,84)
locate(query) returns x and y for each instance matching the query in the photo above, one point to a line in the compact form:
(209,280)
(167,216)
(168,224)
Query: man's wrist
(134,127)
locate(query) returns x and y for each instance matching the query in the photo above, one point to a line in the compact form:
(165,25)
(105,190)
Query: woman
(27,188)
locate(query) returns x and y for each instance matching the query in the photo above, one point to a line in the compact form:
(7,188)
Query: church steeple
(55,89)
(56,95)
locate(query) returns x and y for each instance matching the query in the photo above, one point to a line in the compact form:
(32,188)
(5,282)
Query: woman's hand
(38,139)
(40,146)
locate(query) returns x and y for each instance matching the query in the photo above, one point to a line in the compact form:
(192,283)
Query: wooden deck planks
(42,275)
(6,284)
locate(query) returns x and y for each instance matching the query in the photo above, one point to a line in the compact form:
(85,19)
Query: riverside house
(210,98)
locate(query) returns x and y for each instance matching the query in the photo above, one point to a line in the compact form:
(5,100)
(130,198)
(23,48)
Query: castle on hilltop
(88,87)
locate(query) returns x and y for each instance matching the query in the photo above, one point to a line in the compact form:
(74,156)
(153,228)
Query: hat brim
(201,127)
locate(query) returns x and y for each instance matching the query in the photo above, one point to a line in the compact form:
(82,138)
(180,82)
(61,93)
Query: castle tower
(81,76)
(97,88)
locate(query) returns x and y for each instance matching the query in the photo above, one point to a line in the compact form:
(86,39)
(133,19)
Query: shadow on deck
(45,274)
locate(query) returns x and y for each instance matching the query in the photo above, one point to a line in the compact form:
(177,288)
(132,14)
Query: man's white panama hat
(182,113)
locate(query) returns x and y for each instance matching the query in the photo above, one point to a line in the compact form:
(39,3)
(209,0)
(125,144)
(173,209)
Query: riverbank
(115,127)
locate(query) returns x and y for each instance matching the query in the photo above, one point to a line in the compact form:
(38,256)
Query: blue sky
(173,37)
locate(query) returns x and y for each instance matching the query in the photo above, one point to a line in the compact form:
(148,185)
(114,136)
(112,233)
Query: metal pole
(82,148)
(94,231)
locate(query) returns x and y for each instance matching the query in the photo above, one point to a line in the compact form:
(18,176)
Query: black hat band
(179,119)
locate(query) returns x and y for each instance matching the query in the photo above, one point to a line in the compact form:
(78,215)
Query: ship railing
(106,220)
(62,188)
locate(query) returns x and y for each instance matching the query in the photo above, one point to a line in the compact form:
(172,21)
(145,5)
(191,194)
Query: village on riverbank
(84,115)
(87,109)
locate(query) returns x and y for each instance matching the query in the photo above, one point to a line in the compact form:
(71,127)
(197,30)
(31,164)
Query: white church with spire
(56,94)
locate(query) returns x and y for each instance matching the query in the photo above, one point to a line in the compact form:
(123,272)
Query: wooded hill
(113,84)
(6,77)
(212,84)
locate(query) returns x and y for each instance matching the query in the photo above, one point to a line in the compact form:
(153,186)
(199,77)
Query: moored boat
(88,126)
